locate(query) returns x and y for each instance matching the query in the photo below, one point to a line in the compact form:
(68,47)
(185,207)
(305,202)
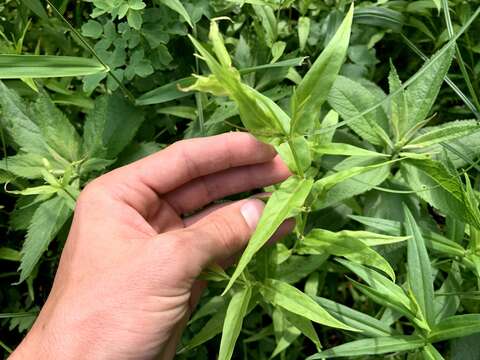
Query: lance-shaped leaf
(290,298)
(455,327)
(344,150)
(304,325)
(177,6)
(313,90)
(350,99)
(45,66)
(323,185)
(433,240)
(373,346)
(380,283)
(296,267)
(430,353)
(445,132)
(421,94)
(347,245)
(46,222)
(419,270)
(398,105)
(283,203)
(236,311)
(356,319)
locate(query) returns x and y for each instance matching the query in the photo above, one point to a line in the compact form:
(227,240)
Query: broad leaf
(373,346)
(47,220)
(350,99)
(283,203)
(313,90)
(110,127)
(290,298)
(421,94)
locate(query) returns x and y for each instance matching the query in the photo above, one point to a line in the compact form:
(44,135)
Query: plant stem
(296,158)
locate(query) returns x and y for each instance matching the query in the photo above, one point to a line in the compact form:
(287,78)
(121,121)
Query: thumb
(219,235)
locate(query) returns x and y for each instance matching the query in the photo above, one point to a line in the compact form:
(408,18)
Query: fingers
(206,189)
(217,236)
(190,159)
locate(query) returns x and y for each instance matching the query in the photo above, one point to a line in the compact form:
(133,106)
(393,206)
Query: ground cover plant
(373,106)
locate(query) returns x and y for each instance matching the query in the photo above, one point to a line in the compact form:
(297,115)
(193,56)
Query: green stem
(296,158)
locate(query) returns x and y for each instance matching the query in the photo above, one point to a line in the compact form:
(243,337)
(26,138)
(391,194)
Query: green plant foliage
(352,97)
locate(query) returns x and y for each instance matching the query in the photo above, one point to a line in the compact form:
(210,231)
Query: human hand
(126,282)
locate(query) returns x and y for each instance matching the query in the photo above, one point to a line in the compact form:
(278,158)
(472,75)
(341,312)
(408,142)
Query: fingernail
(251,212)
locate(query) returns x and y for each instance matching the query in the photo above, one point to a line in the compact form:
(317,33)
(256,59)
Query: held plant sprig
(302,139)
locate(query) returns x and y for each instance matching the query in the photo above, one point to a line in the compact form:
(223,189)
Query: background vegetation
(116,98)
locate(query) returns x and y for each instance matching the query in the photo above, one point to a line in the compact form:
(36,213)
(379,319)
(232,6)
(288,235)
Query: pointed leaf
(421,94)
(283,203)
(419,270)
(290,298)
(356,319)
(47,221)
(45,66)
(374,346)
(236,311)
(313,90)
(455,326)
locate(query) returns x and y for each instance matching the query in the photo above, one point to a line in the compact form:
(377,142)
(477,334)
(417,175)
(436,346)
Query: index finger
(193,158)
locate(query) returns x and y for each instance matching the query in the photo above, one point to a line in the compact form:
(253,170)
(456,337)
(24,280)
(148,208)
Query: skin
(126,283)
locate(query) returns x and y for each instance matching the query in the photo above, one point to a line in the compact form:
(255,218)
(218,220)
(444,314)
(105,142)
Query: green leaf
(303,31)
(455,327)
(269,22)
(344,150)
(236,311)
(9,254)
(165,93)
(56,129)
(304,325)
(341,244)
(300,158)
(290,298)
(350,99)
(312,92)
(327,129)
(356,319)
(443,189)
(421,94)
(445,132)
(177,6)
(259,114)
(373,346)
(398,107)
(46,66)
(47,220)
(36,7)
(433,240)
(419,272)
(110,126)
(212,328)
(92,29)
(284,203)
(295,268)
(17,121)
(430,353)
(135,19)
(379,282)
